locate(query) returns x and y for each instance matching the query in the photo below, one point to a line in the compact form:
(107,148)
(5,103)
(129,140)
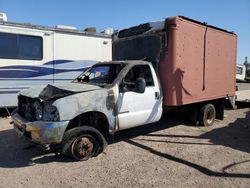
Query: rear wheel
(207,115)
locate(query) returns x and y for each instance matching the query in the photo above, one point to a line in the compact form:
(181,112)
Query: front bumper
(41,132)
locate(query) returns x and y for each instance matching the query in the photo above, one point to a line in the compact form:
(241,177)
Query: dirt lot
(171,153)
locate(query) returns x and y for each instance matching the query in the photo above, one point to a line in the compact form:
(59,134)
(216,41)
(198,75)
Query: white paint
(109,31)
(66,27)
(157,25)
(3,17)
(135,109)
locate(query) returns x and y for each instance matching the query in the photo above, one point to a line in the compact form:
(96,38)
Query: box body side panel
(199,63)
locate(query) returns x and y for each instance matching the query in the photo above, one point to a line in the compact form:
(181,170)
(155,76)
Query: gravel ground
(170,153)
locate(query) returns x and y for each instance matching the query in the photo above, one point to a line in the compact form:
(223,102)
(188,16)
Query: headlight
(45,111)
(50,112)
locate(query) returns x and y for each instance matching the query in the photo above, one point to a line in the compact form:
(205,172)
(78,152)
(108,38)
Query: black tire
(81,143)
(207,115)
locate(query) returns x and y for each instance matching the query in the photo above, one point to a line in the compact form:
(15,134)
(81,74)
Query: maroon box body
(199,63)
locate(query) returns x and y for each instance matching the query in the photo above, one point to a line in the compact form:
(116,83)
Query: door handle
(157,95)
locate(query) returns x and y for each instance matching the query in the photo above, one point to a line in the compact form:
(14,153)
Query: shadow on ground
(235,135)
(198,167)
(168,120)
(16,152)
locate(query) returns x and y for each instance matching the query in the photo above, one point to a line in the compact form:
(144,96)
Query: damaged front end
(38,121)
(44,113)
(36,109)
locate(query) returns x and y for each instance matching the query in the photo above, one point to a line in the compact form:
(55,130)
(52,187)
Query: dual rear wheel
(203,115)
(207,115)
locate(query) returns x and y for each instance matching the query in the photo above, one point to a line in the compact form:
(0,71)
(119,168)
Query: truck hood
(55,91)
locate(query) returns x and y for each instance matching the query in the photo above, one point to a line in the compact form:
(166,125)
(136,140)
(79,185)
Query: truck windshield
(103,74)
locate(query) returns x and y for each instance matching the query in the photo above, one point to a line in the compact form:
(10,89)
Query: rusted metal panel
(42,132)
(199,63)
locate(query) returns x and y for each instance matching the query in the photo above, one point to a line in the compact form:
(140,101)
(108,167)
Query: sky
(231,15)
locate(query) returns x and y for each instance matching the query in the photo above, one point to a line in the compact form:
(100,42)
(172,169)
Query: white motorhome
(33,55)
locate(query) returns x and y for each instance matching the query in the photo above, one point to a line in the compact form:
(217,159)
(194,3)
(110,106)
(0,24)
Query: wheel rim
(83,147)
(210,117)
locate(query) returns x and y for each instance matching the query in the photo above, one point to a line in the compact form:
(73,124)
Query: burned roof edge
(147,27)
(205,24)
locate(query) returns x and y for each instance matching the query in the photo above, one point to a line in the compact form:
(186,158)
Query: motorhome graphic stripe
(23,71)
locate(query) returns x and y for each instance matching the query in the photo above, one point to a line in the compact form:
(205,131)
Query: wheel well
(219,105)
(194,109)
(97,120)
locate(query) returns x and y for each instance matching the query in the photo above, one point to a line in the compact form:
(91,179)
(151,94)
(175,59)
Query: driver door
(135,108)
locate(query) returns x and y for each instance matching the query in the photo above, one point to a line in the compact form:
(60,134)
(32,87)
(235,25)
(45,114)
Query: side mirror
(85,79)
(140,85)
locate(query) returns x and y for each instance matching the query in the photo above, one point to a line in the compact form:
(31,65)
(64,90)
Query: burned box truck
(176,62)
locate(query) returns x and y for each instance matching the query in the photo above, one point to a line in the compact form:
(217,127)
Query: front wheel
(81,143)
(83,147)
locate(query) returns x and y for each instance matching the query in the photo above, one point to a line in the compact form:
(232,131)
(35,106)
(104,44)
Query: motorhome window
(16,46)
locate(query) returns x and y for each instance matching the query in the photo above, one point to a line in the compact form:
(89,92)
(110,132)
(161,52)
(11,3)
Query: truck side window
(139,71)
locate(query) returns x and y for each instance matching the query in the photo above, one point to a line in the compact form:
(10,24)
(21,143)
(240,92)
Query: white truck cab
(108,97)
